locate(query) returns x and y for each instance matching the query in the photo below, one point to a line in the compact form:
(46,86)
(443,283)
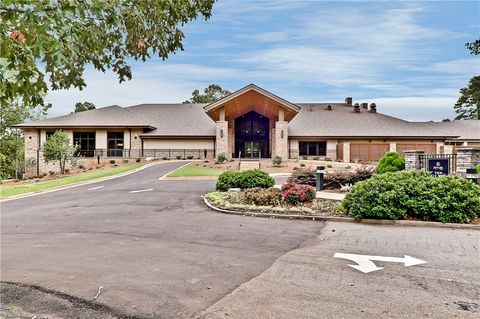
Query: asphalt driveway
(152,244)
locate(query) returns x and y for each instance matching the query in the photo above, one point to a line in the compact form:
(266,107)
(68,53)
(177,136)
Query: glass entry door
(252,149)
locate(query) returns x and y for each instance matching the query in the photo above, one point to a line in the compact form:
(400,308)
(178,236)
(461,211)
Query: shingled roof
(109,116)
(314,119)
(175,119)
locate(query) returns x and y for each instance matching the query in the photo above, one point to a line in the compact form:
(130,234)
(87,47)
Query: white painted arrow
(365,263)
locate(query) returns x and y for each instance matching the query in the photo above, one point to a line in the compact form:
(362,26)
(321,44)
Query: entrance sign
(438,166)
(365,263)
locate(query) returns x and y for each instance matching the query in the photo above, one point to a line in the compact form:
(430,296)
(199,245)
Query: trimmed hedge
(390,162)
(244,179)
(399,195)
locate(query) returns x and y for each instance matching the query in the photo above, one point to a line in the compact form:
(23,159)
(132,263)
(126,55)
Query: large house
(249,123)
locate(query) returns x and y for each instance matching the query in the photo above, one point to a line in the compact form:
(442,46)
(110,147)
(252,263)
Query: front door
(252,149)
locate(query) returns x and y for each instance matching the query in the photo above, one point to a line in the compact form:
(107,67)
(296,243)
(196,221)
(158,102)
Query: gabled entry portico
(252,122)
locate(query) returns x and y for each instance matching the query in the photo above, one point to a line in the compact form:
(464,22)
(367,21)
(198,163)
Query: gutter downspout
(130,146)
(38,152)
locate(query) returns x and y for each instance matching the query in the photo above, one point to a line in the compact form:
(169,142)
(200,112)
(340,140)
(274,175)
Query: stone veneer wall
(412,160)
(467,158)
(281,142)
(221,145)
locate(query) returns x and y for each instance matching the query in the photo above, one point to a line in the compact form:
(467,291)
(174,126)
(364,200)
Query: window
(85,141)
(49,134)
(115,144)
(313,148)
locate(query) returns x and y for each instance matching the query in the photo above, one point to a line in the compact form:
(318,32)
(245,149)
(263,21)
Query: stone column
(467,158)
(32,145)
(221,144)
(346,152)
(412,160)
(281,139)
(393,147)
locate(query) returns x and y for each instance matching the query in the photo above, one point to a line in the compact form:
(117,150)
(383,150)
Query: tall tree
(85,106)
(474,47)
(468,105)
(65,36)
(211,93)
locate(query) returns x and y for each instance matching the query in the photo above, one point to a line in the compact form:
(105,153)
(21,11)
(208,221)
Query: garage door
(428,148)
(368,151)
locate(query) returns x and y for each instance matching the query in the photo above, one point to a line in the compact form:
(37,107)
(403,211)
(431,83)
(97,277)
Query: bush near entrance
(400,195)
(390,162)
(244,179)
(331,179)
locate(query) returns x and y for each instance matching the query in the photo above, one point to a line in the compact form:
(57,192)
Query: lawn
(192,170)
(24,188)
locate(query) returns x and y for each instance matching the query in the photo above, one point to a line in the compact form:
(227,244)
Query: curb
(50,190)
(409,223)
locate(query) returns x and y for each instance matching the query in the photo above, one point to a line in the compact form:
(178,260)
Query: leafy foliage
(222,158)
(262,197)
(294,193)
(211,93)
(244,179)
(67,35)
(468,104)
(390,162)
(85,106)
(399,195)
(277,161)
(58,148)
(473,47)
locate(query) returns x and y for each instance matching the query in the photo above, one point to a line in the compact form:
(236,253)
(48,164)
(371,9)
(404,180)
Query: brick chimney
(365,106)
(356,108)
(348,101)
(373,108)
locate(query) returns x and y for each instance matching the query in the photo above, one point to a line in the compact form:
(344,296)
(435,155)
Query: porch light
(221,133)
(281,134)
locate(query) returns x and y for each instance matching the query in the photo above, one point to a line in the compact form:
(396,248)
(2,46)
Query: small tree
(58,148)
(390,162)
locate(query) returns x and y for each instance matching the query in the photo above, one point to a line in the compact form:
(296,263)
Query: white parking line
(94,188)
(141,190)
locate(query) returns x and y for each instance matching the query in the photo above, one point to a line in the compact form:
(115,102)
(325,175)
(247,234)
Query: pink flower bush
(294,193)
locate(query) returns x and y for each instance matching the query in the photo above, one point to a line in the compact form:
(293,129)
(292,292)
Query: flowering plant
(294,193)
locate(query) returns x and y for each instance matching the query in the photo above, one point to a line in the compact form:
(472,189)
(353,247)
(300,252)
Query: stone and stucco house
(249,123)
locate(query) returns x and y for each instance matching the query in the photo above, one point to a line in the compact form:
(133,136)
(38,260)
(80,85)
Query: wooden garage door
(368,151)
(428,148)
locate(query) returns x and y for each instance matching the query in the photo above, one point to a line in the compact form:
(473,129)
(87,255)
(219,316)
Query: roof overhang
(251,98)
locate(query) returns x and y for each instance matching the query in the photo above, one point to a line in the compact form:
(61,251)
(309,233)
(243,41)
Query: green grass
(24,188)
(192,170)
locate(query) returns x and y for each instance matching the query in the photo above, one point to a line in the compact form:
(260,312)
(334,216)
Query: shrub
(226,180)
(277,161)
(81,166)
(190,157)
(391,162)
(331,179)
(304,157)
(397,195)
(478,168)
(316,158)
(328,159)
(178,157)
(329,166)
(222,158)
(125,161)
(44,174)
(254,178)
(303,175)
(112,161)
(262,197)
(51,172)
(294,193)
(138,160)
(90,168)
(67,170)
(244,179)
(302,164)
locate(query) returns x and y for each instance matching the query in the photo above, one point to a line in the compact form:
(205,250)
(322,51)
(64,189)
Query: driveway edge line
(51,190)
(410,223)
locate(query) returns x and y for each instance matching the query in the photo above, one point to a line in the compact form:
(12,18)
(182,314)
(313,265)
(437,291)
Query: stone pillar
(332,149)
(346,152)
(32,139)
(467,158)
(393,147)
(221,144)
(281,139)
(412,160)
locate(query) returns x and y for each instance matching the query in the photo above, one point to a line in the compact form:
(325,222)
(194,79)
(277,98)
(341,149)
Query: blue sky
(407,56)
